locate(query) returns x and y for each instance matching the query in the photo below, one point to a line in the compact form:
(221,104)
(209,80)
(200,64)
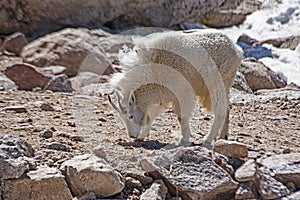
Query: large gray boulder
(35,16)
(190,173)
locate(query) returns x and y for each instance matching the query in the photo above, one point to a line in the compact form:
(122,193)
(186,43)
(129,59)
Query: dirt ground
(267,123)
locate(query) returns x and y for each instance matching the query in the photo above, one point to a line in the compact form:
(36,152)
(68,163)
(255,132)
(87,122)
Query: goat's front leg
(225,130)
(185,131)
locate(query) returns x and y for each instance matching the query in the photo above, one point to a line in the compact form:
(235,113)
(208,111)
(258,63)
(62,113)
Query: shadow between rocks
(151,144)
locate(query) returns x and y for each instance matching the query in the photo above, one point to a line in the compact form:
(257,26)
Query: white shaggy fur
(177,67)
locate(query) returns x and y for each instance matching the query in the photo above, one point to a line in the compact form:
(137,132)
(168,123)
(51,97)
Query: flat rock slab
(190,173)
(246,172)
(44,183)
(285,167)
(87,172)
(231,148)
(27,77)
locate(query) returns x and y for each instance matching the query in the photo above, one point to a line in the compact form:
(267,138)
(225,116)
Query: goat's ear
(131,99)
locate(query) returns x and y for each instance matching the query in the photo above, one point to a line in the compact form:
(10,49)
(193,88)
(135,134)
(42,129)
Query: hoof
(207,145)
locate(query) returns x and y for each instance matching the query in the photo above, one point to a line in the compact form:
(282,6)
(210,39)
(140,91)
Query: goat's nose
(131,136)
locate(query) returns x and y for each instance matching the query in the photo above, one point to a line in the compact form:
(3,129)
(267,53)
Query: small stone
(231,148)
(47,133)
(45,106)
(286,151)
(14,43)
(246,172)
(245,191)
(76,138)
(157,191)
(54,69)
(59,83)
(139,175)
(87,196)
(132,183)
(17,109)
(57,146)
(99,151)
(72,124)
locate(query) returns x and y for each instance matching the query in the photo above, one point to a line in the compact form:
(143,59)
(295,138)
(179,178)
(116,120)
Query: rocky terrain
(61,139)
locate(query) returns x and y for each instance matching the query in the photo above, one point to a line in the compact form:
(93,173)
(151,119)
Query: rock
(157,191)
(6,60)
(75,49)
(222,161)
(230,13)
(190,173)
(59,83)
(6,83)
(246,172)
(270,188)
(245,191)
(231,148)
(99,151)
(285,167)
(84,79)
(256,52)
(57,146)
(247,40)
(240,83)
(87,196)
(47,133)
(84,172)
(294,196)
(43,106)
(77,138)
(17,109)
(132,183)
(27,77)
(139,175)
(14,43)
(290,42)
(44,183)
(54,69)
(259,76)
(13,153)
(22,15)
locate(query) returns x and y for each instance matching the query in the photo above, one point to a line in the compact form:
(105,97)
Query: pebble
(99,151)
(17,109)
(47,133)
(57,146)
(133,183)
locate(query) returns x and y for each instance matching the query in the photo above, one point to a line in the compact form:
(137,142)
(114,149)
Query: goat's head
(137,121)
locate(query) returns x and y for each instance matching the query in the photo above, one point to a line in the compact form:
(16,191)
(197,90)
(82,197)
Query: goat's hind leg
(218,123)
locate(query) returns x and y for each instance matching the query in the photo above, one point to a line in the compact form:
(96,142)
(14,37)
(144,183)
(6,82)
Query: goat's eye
(130,116)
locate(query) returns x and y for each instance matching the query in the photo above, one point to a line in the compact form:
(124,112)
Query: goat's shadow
(152,144)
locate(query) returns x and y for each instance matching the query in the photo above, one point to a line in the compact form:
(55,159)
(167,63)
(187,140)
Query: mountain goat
(178,68)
